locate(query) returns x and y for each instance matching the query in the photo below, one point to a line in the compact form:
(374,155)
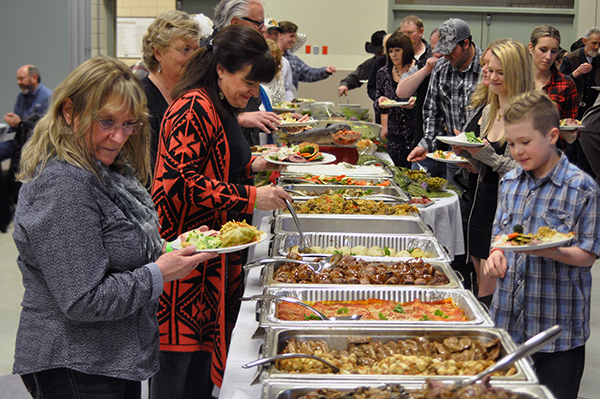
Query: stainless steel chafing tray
(337,339)
(314,190)
(354,171)
(267,309)
(370,224)
(269,270)
(282,243)
(295,389)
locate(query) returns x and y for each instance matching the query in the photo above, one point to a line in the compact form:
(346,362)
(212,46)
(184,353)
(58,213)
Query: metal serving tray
(314,190)
(282,242)
(295,389)
(268,272)
(370,224)
(354,171)
(336,339)
(267,309)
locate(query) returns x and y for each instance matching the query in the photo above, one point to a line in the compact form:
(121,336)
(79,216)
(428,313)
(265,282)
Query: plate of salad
(466,139)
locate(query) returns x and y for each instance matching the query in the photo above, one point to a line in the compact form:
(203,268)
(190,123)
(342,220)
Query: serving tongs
(382,164)
(271,359)
(319,314)
(302,247)
(530,347)
(326,262)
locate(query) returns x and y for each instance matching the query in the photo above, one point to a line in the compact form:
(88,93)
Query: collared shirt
(538,293)
(447,98)
(561,89)
(302,72)
(33,103)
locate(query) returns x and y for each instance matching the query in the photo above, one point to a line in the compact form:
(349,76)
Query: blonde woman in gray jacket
(509,73)
(92,260)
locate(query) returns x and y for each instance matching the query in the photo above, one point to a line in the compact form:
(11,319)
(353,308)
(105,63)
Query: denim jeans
(65,383)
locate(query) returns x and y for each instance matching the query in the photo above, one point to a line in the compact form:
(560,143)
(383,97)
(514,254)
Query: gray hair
(590,32)
(227,9)
(32,70)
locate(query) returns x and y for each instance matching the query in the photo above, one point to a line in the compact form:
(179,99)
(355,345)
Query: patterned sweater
(191,189)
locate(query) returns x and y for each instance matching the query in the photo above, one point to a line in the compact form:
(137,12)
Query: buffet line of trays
(374,354)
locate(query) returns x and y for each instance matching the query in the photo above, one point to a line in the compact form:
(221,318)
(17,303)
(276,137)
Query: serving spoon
(271,359)
(327,261)
(302,247)
(531,346)
(319,314)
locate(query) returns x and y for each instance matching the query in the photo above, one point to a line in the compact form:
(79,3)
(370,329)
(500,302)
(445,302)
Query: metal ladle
(530,347)
(325,263)
(302,247)
(271,359)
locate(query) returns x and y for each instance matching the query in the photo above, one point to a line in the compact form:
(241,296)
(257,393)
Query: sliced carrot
(512,235)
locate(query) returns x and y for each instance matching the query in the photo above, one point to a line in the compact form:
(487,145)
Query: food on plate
(436,183)
(301,153)
(447,155)
(570,122)
(286,105)
(338,205)
(420,355)
(376,309)
(345,137)
(544,235)
(359,271)
(471,138)
(341,179)
(238,233)
(365,144)
(231,234)
(430,390)
(317,135)
(303,100)
(423,200)
(260,149)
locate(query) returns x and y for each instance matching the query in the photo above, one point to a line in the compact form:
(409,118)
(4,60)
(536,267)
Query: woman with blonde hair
(89,248)
(168,44)
(509,74)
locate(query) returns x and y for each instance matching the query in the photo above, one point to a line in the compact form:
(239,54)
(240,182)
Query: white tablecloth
(445,219)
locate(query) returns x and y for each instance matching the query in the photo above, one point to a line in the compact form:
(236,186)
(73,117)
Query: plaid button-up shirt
(302,72)
(561,89)
(538,292)
(447,98)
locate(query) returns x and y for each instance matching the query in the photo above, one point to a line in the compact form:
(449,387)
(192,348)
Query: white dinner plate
(460,140)
(177,245)
(394,104)
(532,247)
(574,127)
(297,124)
(596,87)
(327,158)
(279,109)
(457,160)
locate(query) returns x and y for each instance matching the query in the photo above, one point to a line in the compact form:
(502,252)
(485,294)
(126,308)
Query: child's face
(534,151)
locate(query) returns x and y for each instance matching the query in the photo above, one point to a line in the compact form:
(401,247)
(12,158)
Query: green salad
(201,241)
(471,138)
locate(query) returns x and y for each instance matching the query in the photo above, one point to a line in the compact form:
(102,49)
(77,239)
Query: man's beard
(593,53)
(26,89)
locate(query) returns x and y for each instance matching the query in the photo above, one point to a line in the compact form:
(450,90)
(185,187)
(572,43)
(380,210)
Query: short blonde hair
(536,106)
(276,53)
(92,87)
(167,26)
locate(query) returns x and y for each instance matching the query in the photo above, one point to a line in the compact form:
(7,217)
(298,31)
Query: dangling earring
(221,95)
(159,68)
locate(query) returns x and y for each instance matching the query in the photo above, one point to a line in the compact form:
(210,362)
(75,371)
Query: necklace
(500,115)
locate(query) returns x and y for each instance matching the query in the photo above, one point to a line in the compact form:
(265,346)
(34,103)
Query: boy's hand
(495,265)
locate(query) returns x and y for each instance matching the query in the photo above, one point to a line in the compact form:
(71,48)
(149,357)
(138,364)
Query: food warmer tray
(294,389)
(369,224)
(359,172)
(336,338)
(267,309)
(282,242)
(268,272)
(314,190)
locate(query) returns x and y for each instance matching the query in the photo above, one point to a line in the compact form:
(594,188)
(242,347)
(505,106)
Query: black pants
(65,383)
(561,372)
(182,375)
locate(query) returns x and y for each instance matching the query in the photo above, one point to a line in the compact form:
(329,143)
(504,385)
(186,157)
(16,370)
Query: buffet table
(445,220)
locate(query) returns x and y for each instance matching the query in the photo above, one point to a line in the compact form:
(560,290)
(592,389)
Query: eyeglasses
(259,24)
(185,51)
(128,128)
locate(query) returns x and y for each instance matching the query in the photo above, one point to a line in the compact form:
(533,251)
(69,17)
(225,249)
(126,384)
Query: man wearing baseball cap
(273,30)
(453,80)
(353,80)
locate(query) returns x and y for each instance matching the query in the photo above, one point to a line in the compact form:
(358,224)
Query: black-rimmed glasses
(128,128)
(259,24)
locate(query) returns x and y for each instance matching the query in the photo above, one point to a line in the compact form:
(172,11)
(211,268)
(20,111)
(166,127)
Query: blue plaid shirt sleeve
(303,73)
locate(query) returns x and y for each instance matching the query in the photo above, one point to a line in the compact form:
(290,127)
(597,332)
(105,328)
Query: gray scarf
(137,205)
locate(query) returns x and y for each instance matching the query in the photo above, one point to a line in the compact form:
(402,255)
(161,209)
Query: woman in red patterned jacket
(202,157)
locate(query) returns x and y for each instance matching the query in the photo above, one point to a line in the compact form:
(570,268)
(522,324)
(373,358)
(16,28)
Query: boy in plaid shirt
(538,289)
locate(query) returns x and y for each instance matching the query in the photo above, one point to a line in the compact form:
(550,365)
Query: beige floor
(11,291)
